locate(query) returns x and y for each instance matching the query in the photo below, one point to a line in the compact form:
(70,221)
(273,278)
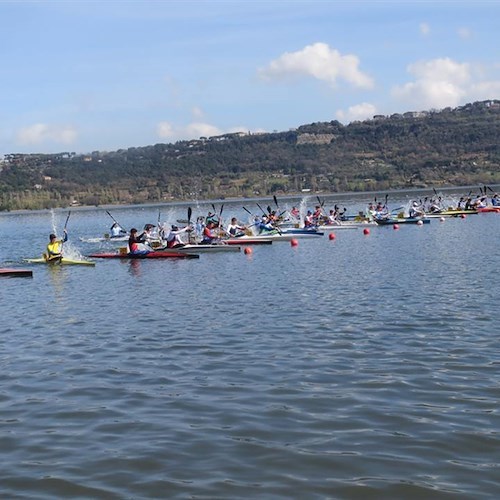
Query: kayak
(158,254)
(449,213)
(196,248)
(247,240)
(489,209)
(276,236)
(100,239)
(402,220)
(61,262)
(346,225)
(25,273)
(312,231)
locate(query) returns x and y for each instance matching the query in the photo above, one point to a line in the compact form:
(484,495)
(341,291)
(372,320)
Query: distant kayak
(347,224)
(106,237)
(158,254)
(489,209)
(195,248)
(402,220)
(449,213)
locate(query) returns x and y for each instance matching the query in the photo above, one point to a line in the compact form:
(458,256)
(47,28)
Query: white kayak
(106,237)
(200,248)
(346,224)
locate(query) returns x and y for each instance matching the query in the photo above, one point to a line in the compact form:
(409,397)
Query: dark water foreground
(364,367)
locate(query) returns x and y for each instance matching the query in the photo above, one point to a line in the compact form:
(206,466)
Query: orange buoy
(294,242)
(248,251)
(331,236)
(366,231)
(395,226)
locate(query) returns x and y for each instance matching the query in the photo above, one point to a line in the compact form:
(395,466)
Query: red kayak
(160,254)
(25,273)
(488,209)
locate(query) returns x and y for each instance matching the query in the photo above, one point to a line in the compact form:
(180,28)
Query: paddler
(209,235)
(54,247)
(235,229)
(174,239)
(116,230)
(136,243)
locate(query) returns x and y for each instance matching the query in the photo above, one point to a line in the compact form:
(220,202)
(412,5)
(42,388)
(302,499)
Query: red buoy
(294,242)
(331,236)
(395,226)
(462,216)
(366,231)
(248,251)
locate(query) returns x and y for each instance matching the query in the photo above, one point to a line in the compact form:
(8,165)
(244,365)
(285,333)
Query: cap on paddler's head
(52,236)
(133,230)
(174,227)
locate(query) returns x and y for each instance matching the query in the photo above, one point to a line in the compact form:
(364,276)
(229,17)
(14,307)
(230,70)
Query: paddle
(220,215)
(276,202)
(64,232)
(247,211)
(261,209)
(190,213)
(114,220)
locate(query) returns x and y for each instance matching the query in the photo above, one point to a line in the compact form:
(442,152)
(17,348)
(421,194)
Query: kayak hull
(449,213)
(61,262)
(100,239)
(199,248)
(401,220)
(489,209)
(159,254)
(247,240)
(17,273)
(345,225)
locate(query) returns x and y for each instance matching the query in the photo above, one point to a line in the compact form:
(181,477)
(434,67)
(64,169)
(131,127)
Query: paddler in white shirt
(235,229)
(174,239)
(117,231)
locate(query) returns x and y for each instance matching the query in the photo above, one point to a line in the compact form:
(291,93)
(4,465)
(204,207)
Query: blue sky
(104,75)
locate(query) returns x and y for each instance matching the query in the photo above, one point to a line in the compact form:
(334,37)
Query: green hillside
(458,146)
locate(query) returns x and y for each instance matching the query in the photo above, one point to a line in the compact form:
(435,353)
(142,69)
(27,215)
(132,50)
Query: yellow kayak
(63,261)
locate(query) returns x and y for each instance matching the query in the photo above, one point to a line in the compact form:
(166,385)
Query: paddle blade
(67,219)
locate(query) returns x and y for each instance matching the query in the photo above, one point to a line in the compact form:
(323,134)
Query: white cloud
(318,61)
(425,29)
(41,133)
(195,130)
(438,83)
(358,112)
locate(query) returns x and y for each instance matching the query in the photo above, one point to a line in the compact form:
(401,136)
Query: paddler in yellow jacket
(54,248)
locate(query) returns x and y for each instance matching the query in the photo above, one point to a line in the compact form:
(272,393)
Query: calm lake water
(363,367)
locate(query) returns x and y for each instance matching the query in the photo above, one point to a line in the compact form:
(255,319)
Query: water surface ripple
(364,367)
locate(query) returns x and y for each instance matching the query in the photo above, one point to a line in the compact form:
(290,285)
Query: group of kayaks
(282,232)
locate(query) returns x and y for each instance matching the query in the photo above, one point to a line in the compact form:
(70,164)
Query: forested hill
(458,146)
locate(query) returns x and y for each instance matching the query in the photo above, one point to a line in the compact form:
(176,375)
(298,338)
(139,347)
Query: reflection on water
(135,267)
